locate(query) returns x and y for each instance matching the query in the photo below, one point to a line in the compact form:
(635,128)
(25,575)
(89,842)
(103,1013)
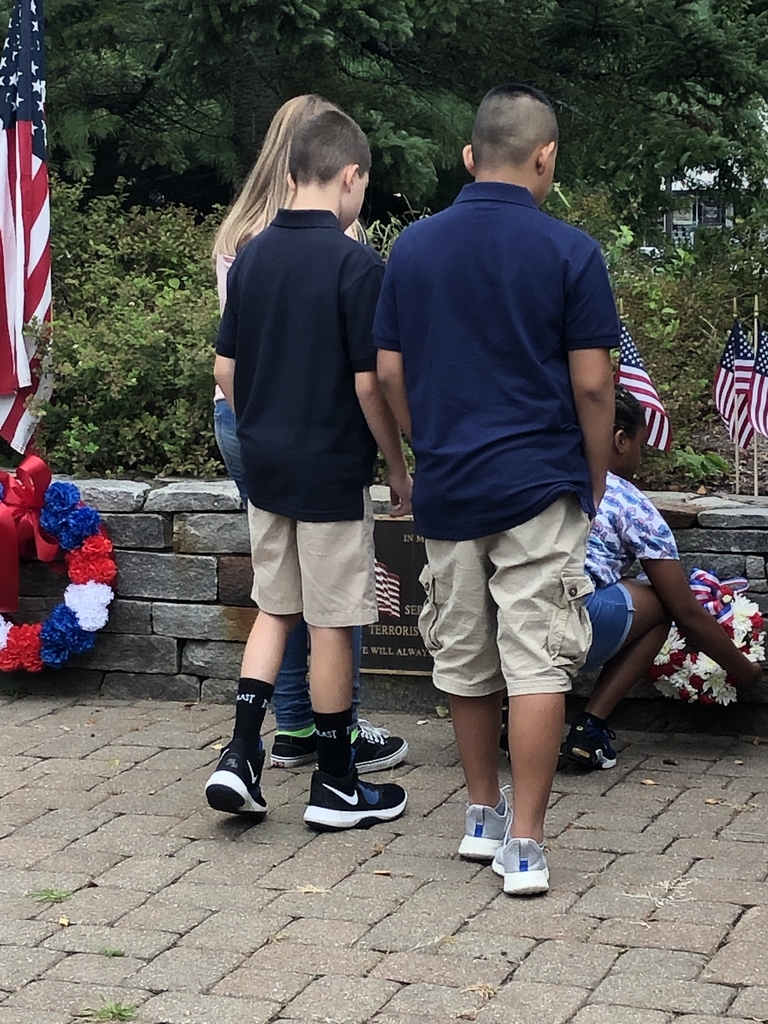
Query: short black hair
(629,415)
(512,121)
(324,145)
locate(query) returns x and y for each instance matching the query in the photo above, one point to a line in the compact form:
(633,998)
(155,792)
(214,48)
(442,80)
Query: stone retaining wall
(183,607)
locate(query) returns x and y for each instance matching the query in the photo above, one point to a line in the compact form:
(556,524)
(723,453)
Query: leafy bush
(135,317)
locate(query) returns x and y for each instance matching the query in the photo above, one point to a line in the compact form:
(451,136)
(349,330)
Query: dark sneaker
(348,803)
(234,786)
(588,744)
(523,866)
(292,751)
(376,749)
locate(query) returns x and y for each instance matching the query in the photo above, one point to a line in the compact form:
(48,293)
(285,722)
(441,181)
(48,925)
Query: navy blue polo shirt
(298,322)
(485,300)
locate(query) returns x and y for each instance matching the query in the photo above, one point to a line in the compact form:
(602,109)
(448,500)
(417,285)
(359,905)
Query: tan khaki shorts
(323,570)
(507,610)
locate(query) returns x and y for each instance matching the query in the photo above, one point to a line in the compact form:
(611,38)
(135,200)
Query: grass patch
(108,1011)
(50,895)
(112,951)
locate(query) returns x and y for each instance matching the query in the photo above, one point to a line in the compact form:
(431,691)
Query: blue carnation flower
(60,499)
(76,526)
(61,637)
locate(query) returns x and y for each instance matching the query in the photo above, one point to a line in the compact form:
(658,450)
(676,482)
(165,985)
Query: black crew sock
(334,745)
(602,723)
(253,696)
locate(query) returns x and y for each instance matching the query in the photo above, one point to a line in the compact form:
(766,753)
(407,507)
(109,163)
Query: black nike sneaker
(349,803)
(235,785)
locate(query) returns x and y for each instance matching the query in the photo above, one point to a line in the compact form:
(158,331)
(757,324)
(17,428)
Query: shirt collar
(306,219)
(496,191)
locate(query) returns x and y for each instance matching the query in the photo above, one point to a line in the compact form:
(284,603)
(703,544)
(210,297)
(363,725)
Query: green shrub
(135,317)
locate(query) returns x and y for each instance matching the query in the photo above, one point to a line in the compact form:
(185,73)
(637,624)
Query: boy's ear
(469,159)
(620,441)
(544,155)
(348,175)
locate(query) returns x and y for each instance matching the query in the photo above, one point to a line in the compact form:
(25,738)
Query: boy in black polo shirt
(295,358)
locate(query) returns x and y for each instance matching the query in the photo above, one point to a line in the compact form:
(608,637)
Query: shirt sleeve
(643,530)
(359,293)
(223,266)
(590,318)
(227,336)
(386,333)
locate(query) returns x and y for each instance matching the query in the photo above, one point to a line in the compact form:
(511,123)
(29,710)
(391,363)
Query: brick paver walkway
(658,911)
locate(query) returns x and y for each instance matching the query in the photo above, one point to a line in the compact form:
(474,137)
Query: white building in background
(694,206)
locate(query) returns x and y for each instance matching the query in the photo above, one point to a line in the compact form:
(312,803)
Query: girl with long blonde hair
(264,192)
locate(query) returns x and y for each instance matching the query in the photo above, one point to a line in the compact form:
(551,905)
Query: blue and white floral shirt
(627,526)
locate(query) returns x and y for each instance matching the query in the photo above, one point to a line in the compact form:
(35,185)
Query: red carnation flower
(696,682)
(757,620)
(97,546)
(84,567)
(22,650)
(677,658)
(706,698)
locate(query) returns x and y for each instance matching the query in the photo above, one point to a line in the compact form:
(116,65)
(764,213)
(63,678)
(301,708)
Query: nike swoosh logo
(351,800)
(254,776)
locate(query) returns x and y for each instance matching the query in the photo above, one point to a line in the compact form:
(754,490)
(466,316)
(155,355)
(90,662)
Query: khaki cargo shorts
(323,570)
(507,611)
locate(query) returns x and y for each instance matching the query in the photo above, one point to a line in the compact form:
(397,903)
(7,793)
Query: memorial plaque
(393,645)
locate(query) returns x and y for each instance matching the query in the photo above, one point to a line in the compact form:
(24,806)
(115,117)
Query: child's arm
(224,375)
(668,579)
(593,394)
(389,369)
(386,432)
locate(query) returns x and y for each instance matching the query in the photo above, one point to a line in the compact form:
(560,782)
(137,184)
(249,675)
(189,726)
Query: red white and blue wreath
(59,523)
(683,674)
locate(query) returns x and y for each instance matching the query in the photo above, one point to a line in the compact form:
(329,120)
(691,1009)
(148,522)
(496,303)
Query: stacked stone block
(183,607)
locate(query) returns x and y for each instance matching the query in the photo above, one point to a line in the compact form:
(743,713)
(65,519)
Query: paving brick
(287,956)
(660,964)
(505,950)
(752,1003)
(738,963)
(250,982)
(438,1000)
(554,960)
(521,1002)
(662,934)
(178,1008)
(99,905)
(351,1000)
(675,996)
(443,970)
(620,1015)
(147,874)
(406,930)
(72,997)
(332,906)
(20,966)
(235,929)
(80,938)
(190,970)
(94,968)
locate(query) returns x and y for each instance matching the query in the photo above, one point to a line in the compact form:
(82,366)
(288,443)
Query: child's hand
(400,487)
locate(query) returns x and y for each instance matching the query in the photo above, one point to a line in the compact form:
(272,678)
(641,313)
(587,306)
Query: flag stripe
(633,376)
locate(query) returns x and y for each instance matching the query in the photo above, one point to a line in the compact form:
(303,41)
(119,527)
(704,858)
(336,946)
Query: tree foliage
(645,89)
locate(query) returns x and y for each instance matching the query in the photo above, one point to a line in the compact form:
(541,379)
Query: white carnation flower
(674,642)
(90,603)
(743,610)
(5,628)
(667,687)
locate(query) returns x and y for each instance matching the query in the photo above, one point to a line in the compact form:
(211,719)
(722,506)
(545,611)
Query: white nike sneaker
(348,803)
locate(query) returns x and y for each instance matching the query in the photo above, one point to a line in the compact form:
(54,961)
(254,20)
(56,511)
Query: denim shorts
(611,611)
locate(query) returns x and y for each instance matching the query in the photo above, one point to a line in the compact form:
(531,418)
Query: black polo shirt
(485,300)
(298,322)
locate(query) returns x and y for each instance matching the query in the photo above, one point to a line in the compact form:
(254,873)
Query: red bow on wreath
(716,596)
(20,533)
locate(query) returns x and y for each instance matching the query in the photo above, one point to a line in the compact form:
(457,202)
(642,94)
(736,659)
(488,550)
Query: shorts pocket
(570,631)
(428,617)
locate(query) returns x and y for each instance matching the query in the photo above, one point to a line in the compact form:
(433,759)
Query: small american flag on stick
(387,591)
(732,384)
(758,391)
(25,255)
(632,375)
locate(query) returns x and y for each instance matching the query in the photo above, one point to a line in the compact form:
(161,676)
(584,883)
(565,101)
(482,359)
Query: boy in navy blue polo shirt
(296,360)
(494,328)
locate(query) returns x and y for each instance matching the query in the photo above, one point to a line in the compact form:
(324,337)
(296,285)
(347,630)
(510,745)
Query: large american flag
(732,383)
(633,376)
(25,255)
(758,391)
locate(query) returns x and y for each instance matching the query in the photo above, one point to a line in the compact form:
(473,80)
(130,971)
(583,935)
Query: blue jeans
(611,612)
(293,707)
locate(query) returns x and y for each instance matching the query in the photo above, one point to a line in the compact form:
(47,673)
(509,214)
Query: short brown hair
(512,121)
(324,145)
